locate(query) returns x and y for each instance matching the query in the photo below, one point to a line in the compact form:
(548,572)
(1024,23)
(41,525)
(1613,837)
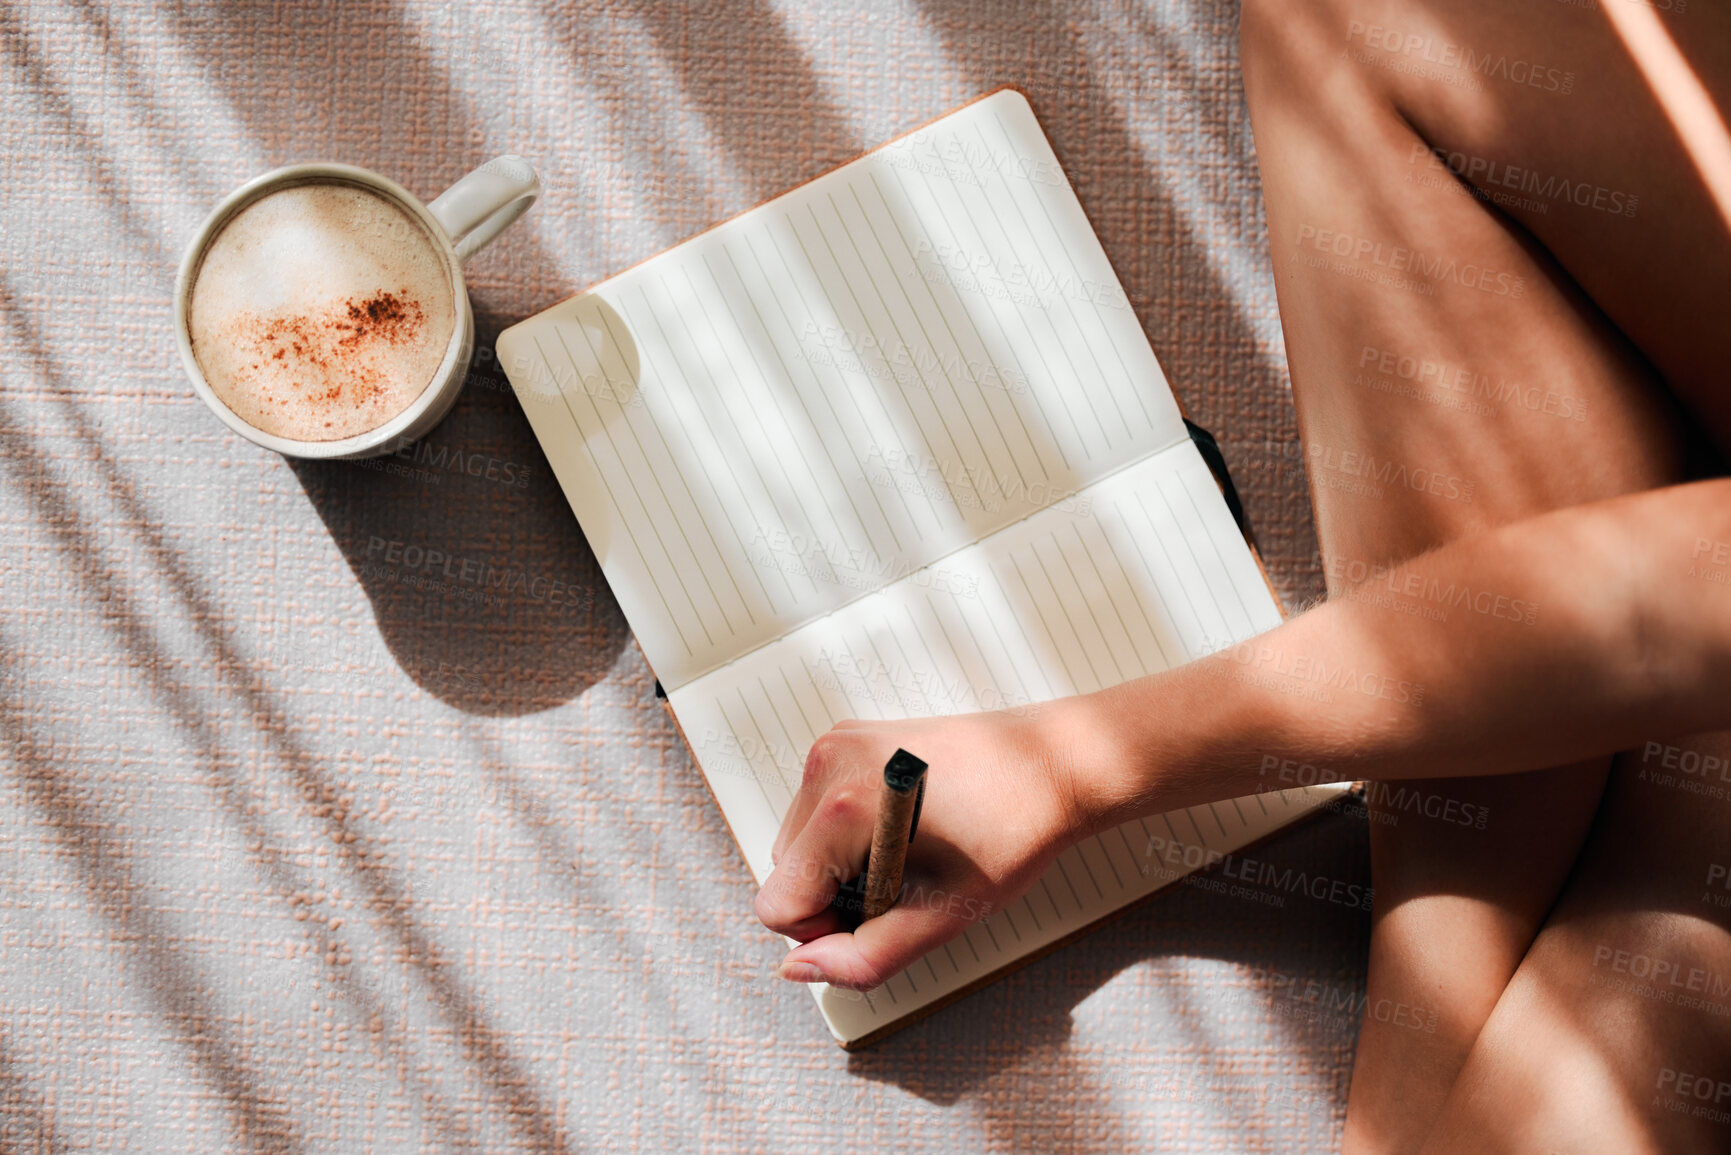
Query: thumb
(873,954)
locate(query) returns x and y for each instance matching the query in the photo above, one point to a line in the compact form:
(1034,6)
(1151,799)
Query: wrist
(1156,744)
(1106,762)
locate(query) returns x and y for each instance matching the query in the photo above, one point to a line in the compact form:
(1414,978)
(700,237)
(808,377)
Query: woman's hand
(1633,640)
(999,807)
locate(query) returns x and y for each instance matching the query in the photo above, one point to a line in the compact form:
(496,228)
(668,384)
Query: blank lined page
(840,387)
(1145,571)
(894,444)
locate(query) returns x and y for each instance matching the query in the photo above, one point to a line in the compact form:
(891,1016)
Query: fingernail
(801,972)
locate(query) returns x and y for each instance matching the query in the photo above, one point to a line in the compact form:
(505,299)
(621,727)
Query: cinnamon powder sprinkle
(332,345)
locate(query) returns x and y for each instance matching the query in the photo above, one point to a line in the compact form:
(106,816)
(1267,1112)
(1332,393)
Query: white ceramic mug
(459,224)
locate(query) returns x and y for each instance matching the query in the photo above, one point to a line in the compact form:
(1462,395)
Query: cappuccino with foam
(321,311)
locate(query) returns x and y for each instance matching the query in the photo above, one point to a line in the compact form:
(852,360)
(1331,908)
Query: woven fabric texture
(302,852)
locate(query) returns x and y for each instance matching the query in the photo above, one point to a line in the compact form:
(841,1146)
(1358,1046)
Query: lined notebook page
(1144,572)
(895,444)
(841,387)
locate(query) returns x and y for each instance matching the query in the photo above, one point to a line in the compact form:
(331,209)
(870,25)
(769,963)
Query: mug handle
(477,208)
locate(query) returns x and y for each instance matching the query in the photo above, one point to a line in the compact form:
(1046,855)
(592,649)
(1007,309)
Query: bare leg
(1431,333)
(1615,1034)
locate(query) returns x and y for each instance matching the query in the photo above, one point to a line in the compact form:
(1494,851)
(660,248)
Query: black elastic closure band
(1216,462)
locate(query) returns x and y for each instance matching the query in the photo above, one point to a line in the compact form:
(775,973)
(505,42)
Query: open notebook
(895,444)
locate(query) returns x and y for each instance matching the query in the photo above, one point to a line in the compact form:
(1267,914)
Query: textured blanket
(301,851)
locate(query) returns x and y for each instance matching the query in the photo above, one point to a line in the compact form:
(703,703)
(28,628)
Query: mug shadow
(480,580)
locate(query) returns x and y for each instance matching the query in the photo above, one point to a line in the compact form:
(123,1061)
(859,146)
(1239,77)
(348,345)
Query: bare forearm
(1566,636)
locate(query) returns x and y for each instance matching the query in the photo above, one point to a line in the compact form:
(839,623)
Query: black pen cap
(903,772)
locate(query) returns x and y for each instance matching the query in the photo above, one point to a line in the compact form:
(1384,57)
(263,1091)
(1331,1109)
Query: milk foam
(321,311)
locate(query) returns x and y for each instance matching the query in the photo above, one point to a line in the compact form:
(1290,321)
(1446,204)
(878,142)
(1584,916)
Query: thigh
(1457,907)
(1615,1034)
(1598,129)
(1450,374)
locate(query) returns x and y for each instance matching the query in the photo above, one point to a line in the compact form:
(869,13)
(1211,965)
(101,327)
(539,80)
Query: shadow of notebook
(894,444)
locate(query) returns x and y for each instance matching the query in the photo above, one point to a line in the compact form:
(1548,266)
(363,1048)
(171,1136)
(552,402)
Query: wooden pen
(898,814)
